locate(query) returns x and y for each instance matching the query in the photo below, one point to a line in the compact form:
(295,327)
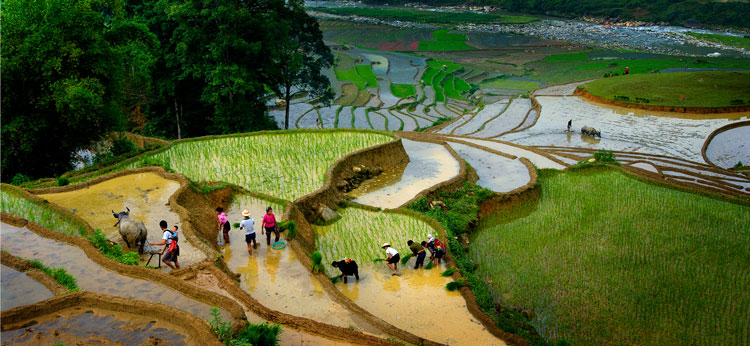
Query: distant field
(604,259)
(427,16)
(563,68)
(512,84)
(441,75)
(689,89)
(741,42)
(361,75)
(445,41)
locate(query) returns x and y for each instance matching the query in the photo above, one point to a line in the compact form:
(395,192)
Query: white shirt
(248,225)
(167,236)
(391,251)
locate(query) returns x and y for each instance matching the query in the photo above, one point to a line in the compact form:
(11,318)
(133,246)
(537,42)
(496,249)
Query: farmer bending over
(392,258)
(347,267)
(417,250)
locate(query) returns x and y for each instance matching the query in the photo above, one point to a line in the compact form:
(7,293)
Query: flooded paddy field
(19,289)
(730,147)
(415,301)
(76,326)
(489,112)
(277,278)
(537,159)
(147,196)
(90,276)
(497,173)
(622,129)
(429,165)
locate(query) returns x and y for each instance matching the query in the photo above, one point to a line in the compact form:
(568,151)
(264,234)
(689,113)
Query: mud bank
(96,272)
(85,317)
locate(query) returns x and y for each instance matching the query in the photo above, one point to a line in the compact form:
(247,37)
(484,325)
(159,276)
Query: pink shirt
(269,220)
(222,217)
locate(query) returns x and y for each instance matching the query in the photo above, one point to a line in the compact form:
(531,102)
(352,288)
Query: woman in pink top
(269,225)
(224,225)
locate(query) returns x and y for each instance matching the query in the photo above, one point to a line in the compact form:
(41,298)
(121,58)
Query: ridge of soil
(33,272)
(674,109)
(199,331)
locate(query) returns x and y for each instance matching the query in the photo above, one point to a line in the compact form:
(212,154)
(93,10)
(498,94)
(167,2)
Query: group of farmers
(247,225)
(348,267)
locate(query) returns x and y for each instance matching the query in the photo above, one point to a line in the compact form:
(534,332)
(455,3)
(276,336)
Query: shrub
(62,181)
(455,285)
(259,335)
(19,179)
(222,329)
(449,272)
(121,146)
(112,251)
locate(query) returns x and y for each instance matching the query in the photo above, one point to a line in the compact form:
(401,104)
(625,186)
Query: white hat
(386,244)
(429,236)
(245,212)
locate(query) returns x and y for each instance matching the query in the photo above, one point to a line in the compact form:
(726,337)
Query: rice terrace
(181,172)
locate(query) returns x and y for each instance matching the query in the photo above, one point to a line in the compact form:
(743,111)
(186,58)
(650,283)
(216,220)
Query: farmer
(570,124)
(392,258)
(437,249)
(417,250)
(248,225)
(347,266)
(166,239)
(269,225)
(224,225)
(627,70)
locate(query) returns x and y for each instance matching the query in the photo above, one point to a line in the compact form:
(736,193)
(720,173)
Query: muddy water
(418,302)
(277,279)
(497,173)
(147,196)
(729,147)
(646,132)
(92,277)
(93,326)
(429,165)
(18,289)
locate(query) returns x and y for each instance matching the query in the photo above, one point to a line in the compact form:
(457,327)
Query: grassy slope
(365,72)
(603,258)
(734,41)
(351,75)
(700,89)
(565,68)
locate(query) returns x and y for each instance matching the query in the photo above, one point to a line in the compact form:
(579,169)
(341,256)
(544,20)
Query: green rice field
(605,259)
(13,203)
(360,233)
(403,90)
(361,75)
(270,164)
(691,89)
(735,41)
(445,41)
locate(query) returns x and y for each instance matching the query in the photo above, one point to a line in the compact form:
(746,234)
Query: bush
(455,285)
(259,335)
(122,146)
(19,179)
(62,181)
(112,251)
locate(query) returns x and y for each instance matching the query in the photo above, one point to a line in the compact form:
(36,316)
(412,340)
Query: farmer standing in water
(224,226)
(269,225)
(167,239)
(248,225)
(570,124)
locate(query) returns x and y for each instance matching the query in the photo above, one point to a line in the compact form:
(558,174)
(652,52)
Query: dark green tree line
(75,69)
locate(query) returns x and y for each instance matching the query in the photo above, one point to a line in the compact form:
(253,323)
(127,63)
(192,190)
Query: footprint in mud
(144,193)
(111,195)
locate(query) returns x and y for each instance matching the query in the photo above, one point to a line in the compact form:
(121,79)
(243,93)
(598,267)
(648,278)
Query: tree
(212,71)
(61,82)
(301,55)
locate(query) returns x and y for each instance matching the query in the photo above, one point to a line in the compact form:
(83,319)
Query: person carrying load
(172,249)
(347,266)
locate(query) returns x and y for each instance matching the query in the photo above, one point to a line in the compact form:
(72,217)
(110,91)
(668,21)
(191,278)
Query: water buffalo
(131,230)
(587,130)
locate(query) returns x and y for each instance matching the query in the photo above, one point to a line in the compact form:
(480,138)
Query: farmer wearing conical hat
(248,225)
(392,258)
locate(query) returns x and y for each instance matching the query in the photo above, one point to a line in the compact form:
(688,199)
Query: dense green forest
(74,70)
(677,12)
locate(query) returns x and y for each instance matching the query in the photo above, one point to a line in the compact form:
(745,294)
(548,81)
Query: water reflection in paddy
(18,289)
